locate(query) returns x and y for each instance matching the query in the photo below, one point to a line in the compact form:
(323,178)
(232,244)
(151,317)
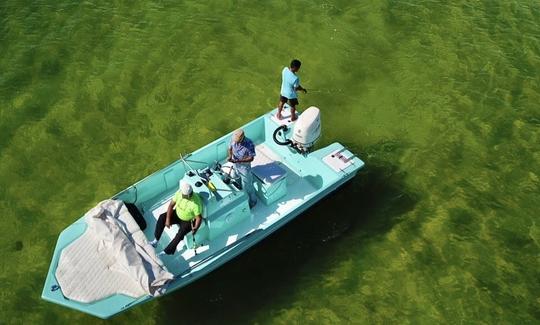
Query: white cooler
(270,181)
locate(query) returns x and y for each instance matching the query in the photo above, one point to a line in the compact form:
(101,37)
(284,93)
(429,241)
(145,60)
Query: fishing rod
(186,163)
(328,91)
(196,161)
(193,235)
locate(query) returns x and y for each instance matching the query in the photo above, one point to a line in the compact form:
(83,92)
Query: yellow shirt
(187,209)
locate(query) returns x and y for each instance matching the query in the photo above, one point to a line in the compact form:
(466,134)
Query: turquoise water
(441,100)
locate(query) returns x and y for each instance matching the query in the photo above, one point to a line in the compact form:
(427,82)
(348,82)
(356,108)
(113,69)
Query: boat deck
(298,190)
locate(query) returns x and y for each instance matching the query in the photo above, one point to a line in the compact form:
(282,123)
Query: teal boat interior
(286,181)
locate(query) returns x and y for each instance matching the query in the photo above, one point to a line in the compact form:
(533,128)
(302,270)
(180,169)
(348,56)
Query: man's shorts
(292,101)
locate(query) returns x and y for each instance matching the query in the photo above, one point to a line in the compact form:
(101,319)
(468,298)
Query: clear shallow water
(442,101)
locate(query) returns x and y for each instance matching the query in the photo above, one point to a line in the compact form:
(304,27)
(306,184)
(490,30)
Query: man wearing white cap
(241,153)
(185,207)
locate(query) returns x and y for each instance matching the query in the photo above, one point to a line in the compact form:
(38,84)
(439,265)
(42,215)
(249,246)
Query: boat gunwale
(177,161)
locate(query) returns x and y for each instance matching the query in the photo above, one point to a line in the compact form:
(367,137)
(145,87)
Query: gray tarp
(112,256)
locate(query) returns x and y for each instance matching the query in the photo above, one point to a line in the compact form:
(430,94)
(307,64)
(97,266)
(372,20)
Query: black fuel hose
(276,140)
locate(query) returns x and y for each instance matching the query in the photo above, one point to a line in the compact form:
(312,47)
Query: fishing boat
(103,263)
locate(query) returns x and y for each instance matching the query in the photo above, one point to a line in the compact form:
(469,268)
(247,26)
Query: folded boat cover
(111,257)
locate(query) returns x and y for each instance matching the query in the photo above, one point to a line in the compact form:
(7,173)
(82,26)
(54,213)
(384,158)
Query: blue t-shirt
(242,150)
(289,82)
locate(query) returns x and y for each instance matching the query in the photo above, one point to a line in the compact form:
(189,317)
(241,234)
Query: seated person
(185,210)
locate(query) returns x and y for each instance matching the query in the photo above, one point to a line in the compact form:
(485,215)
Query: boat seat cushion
(269,173)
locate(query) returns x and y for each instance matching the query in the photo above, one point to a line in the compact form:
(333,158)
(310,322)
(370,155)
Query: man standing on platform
(290,83)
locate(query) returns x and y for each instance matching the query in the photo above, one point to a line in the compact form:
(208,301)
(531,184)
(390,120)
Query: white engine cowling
(307,129)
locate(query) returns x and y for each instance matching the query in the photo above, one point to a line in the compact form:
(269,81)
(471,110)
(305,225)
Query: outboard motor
(306,131)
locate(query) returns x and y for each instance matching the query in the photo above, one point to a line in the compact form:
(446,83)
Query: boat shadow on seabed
(368,207)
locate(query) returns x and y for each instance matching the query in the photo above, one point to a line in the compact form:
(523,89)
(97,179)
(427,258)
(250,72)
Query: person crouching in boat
(184,210)
(241,153)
